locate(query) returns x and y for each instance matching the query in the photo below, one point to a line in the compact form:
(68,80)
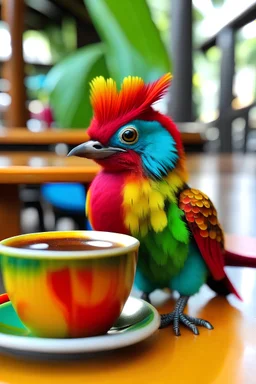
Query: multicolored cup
(63,294)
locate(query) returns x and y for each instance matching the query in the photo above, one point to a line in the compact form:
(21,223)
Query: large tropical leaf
(67,84)
(133,42)
(132,46)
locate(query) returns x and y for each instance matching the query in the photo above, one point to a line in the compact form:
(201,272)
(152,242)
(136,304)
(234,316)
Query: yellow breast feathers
(144,202)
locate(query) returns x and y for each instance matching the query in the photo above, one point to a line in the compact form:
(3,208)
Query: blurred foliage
(245,56)
(245,52)
(197,16)
(135,40)
(131,45)
(161,15)
(206,81)
(68,85)
(62,40)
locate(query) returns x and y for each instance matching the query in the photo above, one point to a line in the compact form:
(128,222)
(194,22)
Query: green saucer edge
(12,324)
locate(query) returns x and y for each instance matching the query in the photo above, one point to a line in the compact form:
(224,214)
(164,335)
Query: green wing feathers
(177,225)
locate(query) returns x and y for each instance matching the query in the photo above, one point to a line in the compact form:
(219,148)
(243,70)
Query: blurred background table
(22,137)
(23,162)
(34,168)
(41,167)
(229,180)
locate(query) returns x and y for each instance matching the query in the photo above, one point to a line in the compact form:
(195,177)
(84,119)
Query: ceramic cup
(63,294)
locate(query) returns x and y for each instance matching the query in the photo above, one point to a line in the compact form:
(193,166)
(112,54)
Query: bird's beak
(94,150)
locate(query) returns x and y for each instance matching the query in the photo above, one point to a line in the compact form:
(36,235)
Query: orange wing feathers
(200,211)
(202,220)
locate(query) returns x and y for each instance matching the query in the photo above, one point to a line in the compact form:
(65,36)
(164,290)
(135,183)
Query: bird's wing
(202,220)
(201,217)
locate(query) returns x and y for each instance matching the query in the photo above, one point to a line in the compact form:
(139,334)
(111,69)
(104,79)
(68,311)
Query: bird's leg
(145,297)
(177,316)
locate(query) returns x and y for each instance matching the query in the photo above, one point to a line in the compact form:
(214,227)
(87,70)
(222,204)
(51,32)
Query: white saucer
(138,321)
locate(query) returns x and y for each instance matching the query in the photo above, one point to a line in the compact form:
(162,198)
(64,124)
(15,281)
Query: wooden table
(34,168)
(22,136)
(222,356)
(230,181)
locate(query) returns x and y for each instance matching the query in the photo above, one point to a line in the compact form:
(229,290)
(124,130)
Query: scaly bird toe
(177,316)
(200,322)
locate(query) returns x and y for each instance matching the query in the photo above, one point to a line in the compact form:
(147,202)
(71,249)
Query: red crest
(113,108)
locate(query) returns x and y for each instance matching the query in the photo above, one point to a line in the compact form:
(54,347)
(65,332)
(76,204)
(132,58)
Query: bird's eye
(129,135)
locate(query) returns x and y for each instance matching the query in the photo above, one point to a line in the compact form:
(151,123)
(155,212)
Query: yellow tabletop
(222,356)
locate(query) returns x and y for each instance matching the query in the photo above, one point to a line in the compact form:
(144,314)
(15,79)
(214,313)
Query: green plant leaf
(67,84)
(133,42)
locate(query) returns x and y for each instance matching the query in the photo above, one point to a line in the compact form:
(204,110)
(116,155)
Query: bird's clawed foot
(177,316)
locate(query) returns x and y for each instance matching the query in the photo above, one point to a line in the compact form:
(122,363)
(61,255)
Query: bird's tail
(224,286)
(237,260)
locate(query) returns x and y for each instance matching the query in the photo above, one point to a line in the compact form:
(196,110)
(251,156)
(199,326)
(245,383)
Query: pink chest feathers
(106,203)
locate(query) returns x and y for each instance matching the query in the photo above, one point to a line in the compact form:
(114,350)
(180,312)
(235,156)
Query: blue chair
(67,200)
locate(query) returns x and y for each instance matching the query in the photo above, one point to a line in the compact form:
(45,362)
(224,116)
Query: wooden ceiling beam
(46,8)
(77,9)
(34,20)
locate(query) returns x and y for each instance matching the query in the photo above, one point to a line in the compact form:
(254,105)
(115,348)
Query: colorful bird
(142,190)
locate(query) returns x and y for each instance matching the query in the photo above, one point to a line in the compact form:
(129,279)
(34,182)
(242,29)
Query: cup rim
(129,243)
